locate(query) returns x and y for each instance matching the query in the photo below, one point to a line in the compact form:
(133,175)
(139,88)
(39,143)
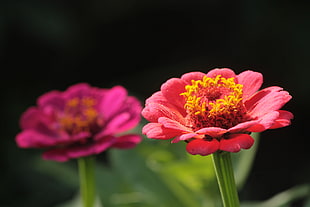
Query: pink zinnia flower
(80,121)
(215,111)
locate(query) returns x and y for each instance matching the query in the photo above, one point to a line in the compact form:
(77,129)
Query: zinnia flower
(80,121)
(215,111)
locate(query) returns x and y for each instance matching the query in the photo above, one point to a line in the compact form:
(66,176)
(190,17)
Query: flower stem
(225,178)
(87,180)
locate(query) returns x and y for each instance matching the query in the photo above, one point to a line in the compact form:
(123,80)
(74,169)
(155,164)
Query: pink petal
(202,147)
(153,111)
(188,77)
(113,100)
(235,142)
(127,117)
(103,144)
(33,139)
(185,137)
(242,127)
(39,131)
(41,125)
(83,135)
(265,122)
(251,82)
(160,100)
(156,97)
(172,124)
(224,72)
(158,131)
(58,155)
(266,100)
(72,152)
(250,103)
(78,90)
(283,120)
(127,141)
(212,131)
(172,89)
(30,118)
(133,108)
(116,125)
(52,99)
(64,154)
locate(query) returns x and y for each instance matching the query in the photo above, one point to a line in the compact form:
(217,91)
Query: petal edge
(236,142)
(202,147)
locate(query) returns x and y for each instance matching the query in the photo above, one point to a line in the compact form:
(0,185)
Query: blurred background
(47,45)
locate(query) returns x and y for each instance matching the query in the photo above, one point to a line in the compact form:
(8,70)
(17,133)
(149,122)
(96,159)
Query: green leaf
(156,190)
(77,202)
(64,172)
(282,199)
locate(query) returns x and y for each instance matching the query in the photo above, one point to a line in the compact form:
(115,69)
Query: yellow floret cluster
(198,101)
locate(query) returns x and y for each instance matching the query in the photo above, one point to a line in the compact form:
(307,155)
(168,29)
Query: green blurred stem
(87,180)
(225,178)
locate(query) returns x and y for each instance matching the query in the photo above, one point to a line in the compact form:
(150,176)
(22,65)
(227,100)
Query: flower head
(215,111)
(80,121)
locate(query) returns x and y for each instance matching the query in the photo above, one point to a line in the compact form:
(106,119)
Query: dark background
(46,45)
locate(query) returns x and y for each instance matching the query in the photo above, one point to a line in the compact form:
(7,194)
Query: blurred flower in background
(80,121)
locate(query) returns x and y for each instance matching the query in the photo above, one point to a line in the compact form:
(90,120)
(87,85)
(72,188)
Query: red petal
(156,97)
(283,120)
(172,89)
(172,124)
(251,82)
(153,111)
(243,126)
(224,72)
(158,131)
(235,142)
(266,101)
(202,147)
(127,141)
(184,137)
(212,131)
(264,122)
(188,77)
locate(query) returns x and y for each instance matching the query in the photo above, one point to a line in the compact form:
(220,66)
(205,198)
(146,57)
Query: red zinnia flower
(80,121)
(215,111)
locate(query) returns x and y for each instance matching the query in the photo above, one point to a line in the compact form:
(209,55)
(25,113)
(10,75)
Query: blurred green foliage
(157,173)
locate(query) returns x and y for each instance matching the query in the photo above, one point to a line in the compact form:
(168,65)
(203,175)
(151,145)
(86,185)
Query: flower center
(80,115)
(214,102)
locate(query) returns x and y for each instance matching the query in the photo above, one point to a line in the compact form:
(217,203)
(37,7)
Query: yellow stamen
(79,115)
(212,96)
(73,102)
(88,102)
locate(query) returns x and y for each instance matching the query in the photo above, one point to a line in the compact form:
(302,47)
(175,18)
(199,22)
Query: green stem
(87,180)
(225,178)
